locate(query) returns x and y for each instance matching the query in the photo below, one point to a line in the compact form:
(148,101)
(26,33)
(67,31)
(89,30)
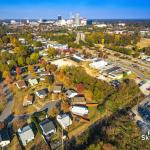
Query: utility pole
(62,140)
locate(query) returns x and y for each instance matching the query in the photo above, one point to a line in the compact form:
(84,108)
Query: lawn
(38,103)
(94,115)
(14,144)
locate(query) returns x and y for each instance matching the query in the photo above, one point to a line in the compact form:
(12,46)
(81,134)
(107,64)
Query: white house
(71,93)
(79,57)
(26,134)
(79,110)
(145,87)
(64,120)
(33,82)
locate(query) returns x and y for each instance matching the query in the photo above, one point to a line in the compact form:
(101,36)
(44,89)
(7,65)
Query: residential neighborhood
(66,83)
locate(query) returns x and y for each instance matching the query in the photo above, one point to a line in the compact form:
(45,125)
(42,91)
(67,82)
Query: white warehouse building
(58,46)
(98,64)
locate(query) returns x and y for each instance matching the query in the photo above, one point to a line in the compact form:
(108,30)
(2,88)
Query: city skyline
(93,9)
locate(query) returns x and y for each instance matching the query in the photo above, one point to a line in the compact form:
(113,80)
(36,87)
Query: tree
(9,79)
(49,79)
(15,42)
(51,67)
(52,52)
(80,87)
(43,62)
(34,57)
(28,61)
(12,63)
(5,74)
(1,42)
(37,44)
(65,106)
(2,125)
(30,69)
(18,70)
(53,112)
(20,61)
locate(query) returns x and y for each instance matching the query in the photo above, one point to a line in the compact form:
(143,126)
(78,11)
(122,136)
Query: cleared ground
(144,43)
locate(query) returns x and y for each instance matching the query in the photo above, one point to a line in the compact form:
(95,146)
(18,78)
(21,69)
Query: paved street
(135,109)
(7,111)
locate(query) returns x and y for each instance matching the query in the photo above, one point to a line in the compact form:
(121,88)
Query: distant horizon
(69,18)
(108,9)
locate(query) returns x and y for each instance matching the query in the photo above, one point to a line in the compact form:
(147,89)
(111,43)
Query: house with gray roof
(57,88)
(71,93)
(47,127)
(26,134)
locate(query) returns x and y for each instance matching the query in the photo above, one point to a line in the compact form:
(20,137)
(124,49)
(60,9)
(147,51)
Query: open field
(144,43)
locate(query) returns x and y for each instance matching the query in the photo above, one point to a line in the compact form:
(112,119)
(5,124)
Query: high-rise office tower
(59,17)
(77,19)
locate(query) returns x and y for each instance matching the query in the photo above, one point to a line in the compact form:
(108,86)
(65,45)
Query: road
(135,109)
(7,115)
(9,99)
(48,106)
(7,111)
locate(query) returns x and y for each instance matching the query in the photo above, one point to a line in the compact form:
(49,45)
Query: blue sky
(100,9)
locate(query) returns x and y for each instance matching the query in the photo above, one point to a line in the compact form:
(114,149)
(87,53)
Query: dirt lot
(144,43)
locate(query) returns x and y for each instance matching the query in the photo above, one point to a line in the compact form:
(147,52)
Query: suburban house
(4,138)
(47,127)
(45,73)
(21,84)
(71,93)
(78,57)
(33,82)
(41,93)
(57,88)
(40,70)
(28,100)
(42,78)
(79,110)
(64,120)
(26,134)
(78,100)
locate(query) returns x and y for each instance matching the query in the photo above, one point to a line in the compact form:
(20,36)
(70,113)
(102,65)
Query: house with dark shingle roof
(4,138)
(78,100)
(42,93)
(47,127)
(21,84)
